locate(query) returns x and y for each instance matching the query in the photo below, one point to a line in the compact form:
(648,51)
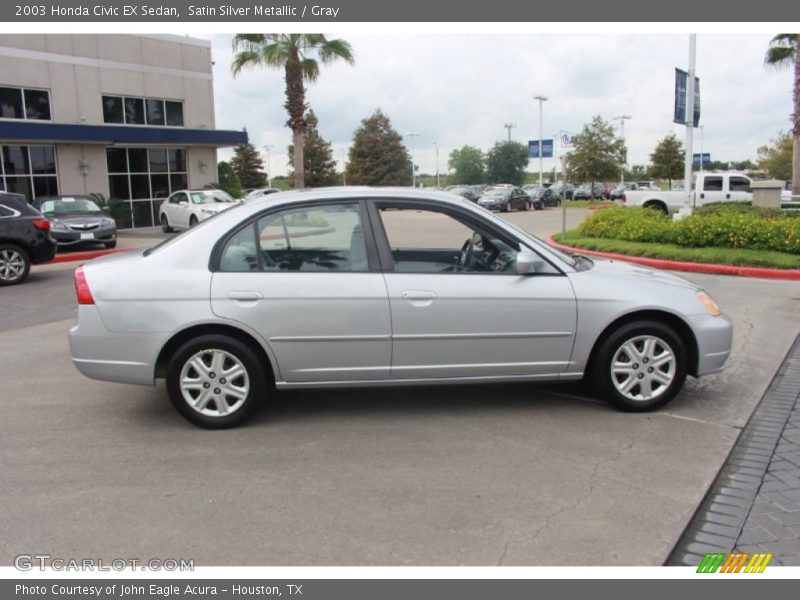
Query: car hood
(624,270)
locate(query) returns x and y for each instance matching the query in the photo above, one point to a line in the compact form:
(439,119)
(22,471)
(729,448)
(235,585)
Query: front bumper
(71,237)
(714,342)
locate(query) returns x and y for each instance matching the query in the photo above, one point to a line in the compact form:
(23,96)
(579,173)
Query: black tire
(192,221)
(255,373)
(110,245)
(13,255)
(657,206)
(165,224)
(507,207)
(602,380)
(527,205)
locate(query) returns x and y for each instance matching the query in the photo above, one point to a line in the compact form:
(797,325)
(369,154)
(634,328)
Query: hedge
(722,226)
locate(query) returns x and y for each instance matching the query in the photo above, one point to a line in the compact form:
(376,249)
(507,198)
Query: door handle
(245,295)
(418,295)
(702,196)
(727,196)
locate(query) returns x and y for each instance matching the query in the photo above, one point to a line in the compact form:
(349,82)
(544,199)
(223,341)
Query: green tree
(466,165)
(299,55)
(597,153)
(784,52)
(668,159)
(377,155)
(248,166)
(319,165)
(637,173)
(228,180)
(506,162)
(775,159)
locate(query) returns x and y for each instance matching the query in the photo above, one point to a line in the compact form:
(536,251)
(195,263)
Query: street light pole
(622,119)
(436,145)
(267,148)
(509,127)
(701,147)
(344,167)
(542,100)
(413,134)
(687,163)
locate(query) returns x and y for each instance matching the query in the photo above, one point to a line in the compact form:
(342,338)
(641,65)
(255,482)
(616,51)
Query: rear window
(16,207)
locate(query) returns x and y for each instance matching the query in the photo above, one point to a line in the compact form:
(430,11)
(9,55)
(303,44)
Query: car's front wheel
(165,224)
(215,381)
(639,367)
(15,264)
(192,221)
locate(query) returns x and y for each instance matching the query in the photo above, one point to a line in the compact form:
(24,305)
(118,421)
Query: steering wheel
(466,252)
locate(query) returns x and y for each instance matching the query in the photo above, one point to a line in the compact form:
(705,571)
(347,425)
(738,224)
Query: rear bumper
(714,341)
(112,356)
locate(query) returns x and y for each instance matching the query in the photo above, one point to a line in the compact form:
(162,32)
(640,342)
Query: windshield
(210,197)
(66,206)
(497,192)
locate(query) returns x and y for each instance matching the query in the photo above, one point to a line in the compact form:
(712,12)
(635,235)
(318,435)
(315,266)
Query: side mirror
(105,209)
(528,262)
(183,203)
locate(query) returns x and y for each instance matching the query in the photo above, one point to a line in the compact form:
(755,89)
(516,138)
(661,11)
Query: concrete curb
(673,265)
(88,255)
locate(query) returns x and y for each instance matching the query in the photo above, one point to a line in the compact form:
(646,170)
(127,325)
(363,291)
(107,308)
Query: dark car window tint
(316,238)
(740,184)
(712,184)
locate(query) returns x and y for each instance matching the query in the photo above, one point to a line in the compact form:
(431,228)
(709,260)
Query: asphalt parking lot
(484,475)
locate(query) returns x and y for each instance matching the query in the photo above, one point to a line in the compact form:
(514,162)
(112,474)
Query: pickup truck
(708,187)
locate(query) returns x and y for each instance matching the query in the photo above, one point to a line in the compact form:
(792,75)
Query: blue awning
(33,131)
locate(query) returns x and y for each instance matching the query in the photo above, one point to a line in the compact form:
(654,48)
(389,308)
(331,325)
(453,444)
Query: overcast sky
(460,89)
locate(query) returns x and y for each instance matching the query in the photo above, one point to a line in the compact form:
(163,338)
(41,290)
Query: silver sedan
(371,287)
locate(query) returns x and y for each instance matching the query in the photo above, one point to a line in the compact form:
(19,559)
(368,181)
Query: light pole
(622,119)
(267,148)
(701,146)
(344,167)
(436,145)
(542,100)
(413,134)
(687,163)
(509,127)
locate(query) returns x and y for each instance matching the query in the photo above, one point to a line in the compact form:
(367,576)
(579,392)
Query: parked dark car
(619,191)
(24,238)
(464,191)
(553,194)
(78,221)
(507,199)
(585,192)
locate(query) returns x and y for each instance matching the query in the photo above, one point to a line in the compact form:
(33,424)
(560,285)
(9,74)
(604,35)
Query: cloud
(460,89)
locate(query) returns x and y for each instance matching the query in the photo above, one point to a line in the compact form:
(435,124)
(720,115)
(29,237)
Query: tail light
(41,224)
(82,288)
(623,199)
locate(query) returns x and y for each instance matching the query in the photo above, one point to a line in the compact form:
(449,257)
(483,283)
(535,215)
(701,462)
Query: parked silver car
(367,287)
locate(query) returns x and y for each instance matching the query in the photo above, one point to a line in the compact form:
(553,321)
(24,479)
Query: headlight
(108,222)
(57,226)
(709,304)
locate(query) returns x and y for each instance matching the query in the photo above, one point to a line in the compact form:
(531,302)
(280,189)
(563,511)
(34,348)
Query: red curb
(673,265)
(88,255)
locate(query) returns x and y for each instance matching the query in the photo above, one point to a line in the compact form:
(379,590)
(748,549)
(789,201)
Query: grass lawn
(723,256)
(589,203)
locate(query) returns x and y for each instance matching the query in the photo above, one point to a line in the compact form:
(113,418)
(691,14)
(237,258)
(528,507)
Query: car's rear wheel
(192,221)
(657,206)
(165,224)
(15,264)
(527,204)
(215,381)
(507,207)
(639,367)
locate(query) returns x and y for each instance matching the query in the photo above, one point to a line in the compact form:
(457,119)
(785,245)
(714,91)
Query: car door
(739,189)
(713,190)
(303,278)
(176,212)
(453,320)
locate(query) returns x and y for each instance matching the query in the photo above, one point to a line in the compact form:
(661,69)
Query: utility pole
(436,145)
(622,119)
(344,167)
(413,134)
(701,148)
(509,127)
(267,148)
(542,100)
(687,163)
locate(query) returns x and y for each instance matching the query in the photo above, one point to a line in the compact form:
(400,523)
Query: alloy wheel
(214,382)
(643,368)
(12,265)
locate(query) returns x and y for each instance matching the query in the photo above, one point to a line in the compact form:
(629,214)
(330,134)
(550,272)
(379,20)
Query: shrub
(728,226)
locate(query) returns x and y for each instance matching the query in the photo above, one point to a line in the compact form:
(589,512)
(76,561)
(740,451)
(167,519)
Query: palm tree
(784,50)
(299,55)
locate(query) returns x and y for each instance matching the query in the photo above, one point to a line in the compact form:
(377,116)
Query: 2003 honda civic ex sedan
(366,287)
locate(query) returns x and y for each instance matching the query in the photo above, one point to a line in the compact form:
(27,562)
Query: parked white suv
(708,187)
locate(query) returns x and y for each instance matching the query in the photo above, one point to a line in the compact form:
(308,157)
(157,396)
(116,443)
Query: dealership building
(130,117)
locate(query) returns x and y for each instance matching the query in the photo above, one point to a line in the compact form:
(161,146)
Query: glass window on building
(134,111)
(23,103)
(155,112)
(174,113)
(113,111)
(28,170)
(142,111)
(143,178)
